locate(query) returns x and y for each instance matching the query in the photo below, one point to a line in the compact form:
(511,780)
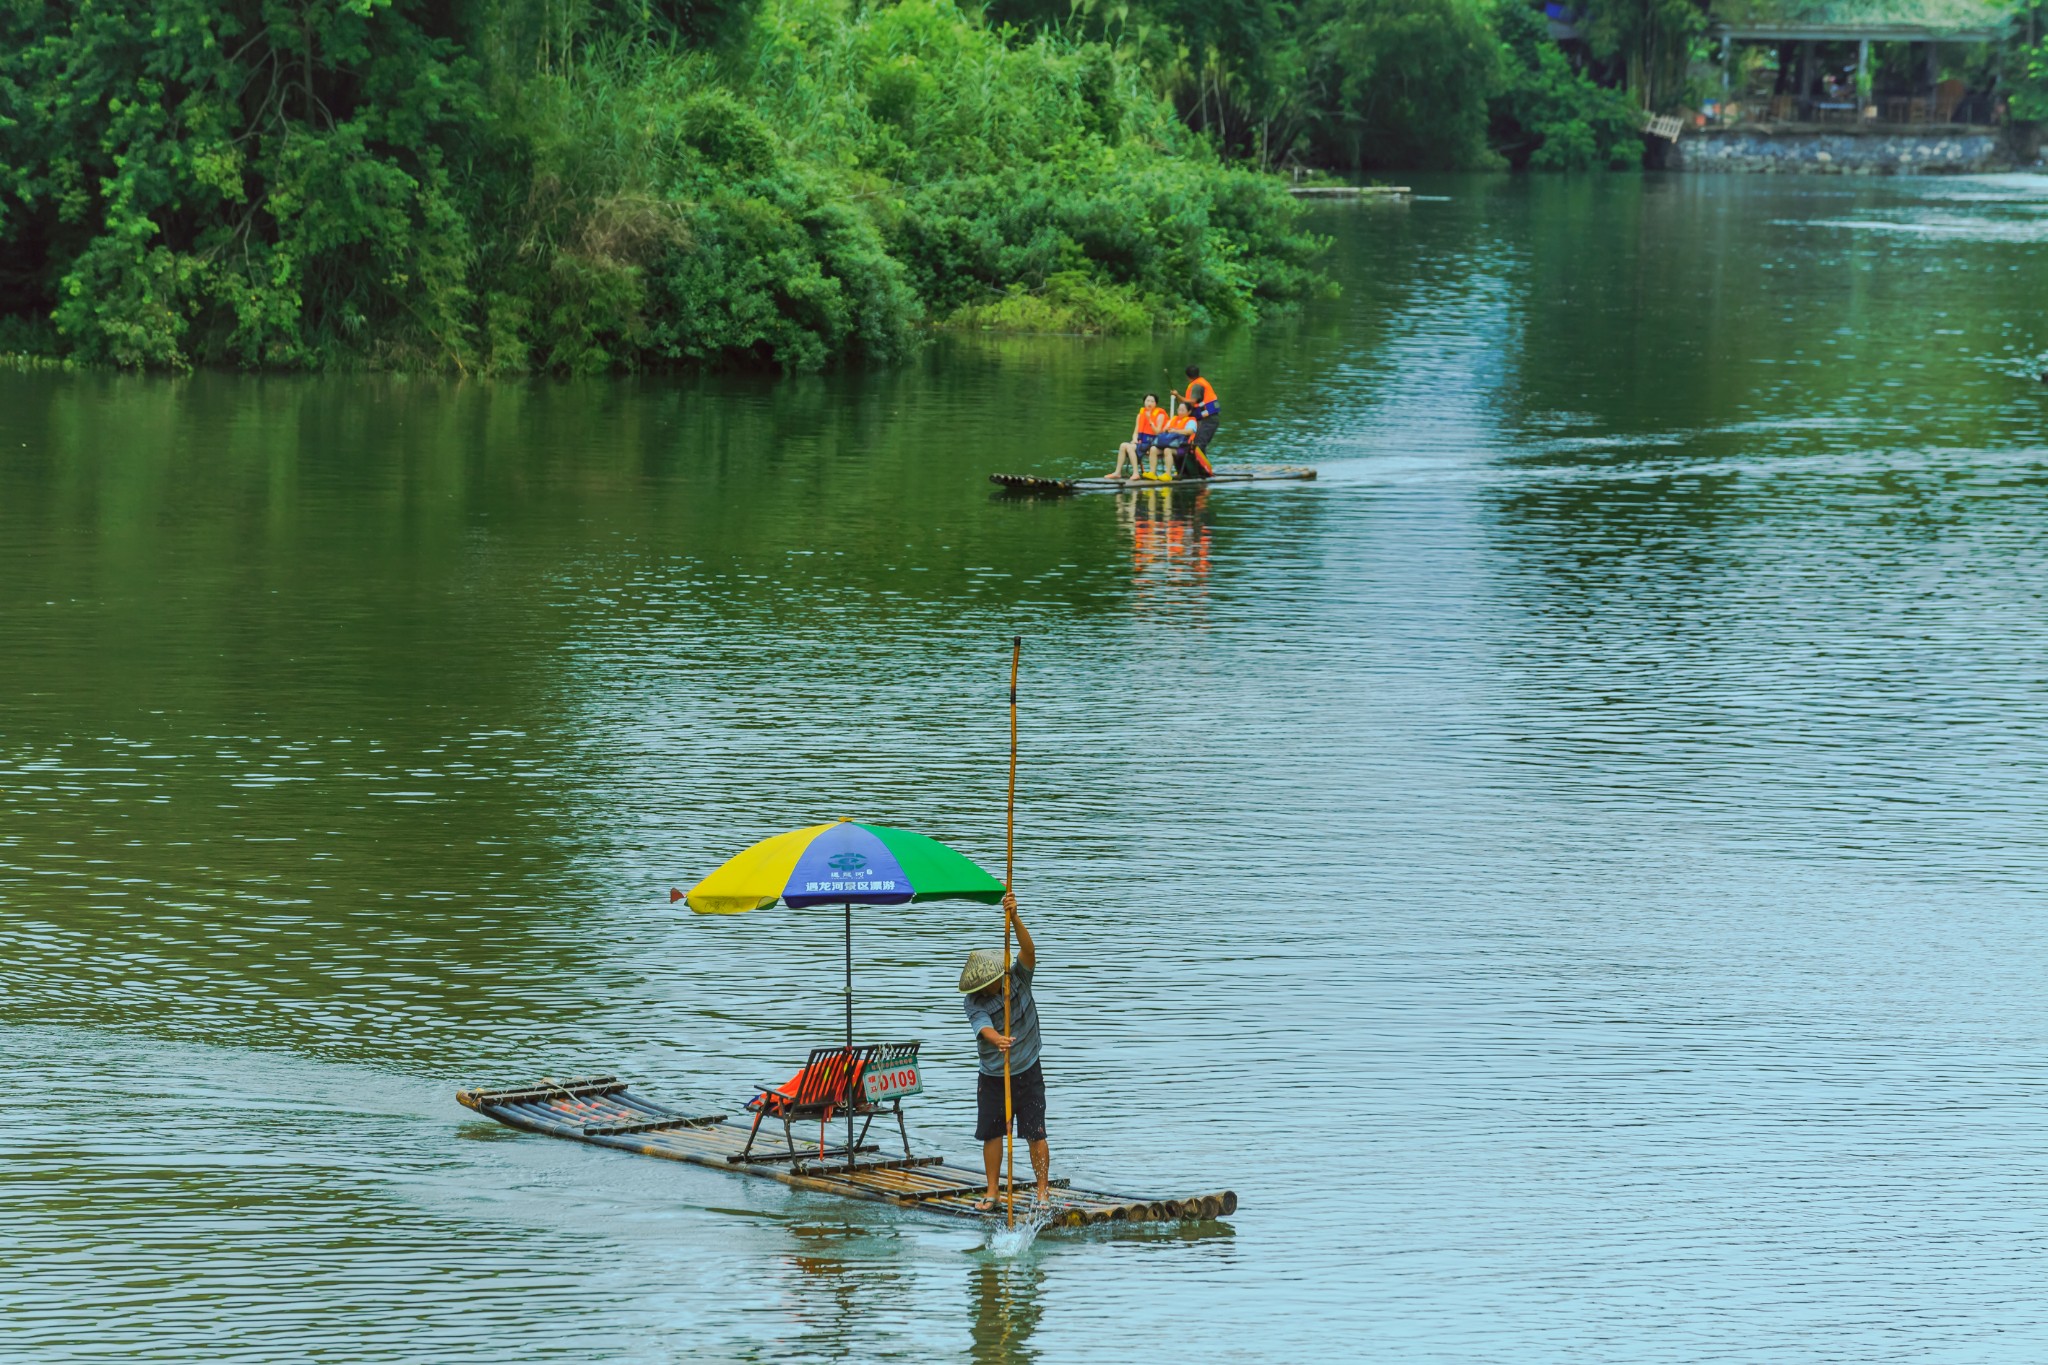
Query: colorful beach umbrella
(845,864)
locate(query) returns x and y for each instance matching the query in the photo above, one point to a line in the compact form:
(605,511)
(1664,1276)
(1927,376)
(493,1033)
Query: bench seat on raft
(866,1080)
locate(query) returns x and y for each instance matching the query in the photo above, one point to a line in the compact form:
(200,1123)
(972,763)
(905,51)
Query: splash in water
(1004,1240)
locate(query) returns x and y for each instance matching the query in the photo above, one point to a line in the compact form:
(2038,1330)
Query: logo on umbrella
(848,862)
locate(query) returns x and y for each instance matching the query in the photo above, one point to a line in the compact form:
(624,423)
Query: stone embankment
(1846,151)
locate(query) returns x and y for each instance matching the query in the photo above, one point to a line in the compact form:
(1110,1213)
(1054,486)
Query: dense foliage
(874,167)
(1397,84)
(1549,116)
(2024,75)
(237,182)
(280,184)
(586,185)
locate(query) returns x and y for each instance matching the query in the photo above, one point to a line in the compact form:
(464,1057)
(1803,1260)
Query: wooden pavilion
(1813,36)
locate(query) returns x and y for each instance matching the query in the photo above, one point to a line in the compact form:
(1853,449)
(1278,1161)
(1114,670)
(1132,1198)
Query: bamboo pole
(848,1063)
(1009,886)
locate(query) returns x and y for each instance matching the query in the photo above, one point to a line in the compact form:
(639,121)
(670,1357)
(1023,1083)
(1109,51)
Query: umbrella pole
(850,1077)
(1009,884)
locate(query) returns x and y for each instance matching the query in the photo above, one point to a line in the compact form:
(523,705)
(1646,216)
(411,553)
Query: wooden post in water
(1009,887)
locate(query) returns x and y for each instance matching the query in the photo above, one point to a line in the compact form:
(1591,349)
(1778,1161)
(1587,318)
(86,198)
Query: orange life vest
(1201,396)
(1151,420)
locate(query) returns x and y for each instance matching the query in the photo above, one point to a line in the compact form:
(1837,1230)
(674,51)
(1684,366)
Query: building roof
(1885,20)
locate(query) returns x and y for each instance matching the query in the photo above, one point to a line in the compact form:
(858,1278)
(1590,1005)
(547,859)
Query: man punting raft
(1173,445)
(837,866)
(856,1084)
(981,981)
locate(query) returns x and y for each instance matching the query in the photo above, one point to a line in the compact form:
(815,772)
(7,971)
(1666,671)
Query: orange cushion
(774,1100)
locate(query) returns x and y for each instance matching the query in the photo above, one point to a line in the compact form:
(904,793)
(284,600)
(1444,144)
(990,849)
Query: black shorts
(1027,1102)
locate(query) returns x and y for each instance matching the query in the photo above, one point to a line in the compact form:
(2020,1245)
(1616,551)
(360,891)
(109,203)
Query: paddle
(1010,886)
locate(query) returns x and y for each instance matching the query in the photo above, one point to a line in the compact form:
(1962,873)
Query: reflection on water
(1573,869)
(1170,542)
(1003,1292)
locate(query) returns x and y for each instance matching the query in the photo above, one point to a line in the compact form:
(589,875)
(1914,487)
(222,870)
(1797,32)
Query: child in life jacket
(1173,444)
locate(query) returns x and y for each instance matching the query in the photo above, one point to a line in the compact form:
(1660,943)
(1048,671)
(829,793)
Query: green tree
(1548,115)
(260,182)
(1401,83)
(1651,42)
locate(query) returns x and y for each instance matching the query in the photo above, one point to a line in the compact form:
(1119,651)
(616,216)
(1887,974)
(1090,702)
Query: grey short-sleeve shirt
(986,1011)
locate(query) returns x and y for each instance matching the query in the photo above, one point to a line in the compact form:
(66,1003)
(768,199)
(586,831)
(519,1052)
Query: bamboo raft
(601,1110)
(1349,191)
(1030,483)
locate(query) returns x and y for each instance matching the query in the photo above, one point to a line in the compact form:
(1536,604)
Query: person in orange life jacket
(1201,401)
(1151,422)
(1184,456)
(1188,460)
(1171,445)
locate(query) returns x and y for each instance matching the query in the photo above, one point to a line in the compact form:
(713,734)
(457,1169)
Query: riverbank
(1847,149)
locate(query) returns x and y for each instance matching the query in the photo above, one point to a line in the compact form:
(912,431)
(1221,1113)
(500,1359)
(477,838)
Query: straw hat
(984,968)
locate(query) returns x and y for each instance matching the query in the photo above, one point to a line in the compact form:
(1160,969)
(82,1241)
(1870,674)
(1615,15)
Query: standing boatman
(981,981)
(1201,401)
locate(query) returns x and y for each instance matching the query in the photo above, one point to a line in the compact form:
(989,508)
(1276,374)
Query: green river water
(1576,869)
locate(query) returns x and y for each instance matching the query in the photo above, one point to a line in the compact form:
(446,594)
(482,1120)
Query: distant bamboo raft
(1258,473)
(1349,191)
(601,1111)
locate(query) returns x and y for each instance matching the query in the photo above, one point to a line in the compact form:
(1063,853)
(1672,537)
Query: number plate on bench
(891,1082)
